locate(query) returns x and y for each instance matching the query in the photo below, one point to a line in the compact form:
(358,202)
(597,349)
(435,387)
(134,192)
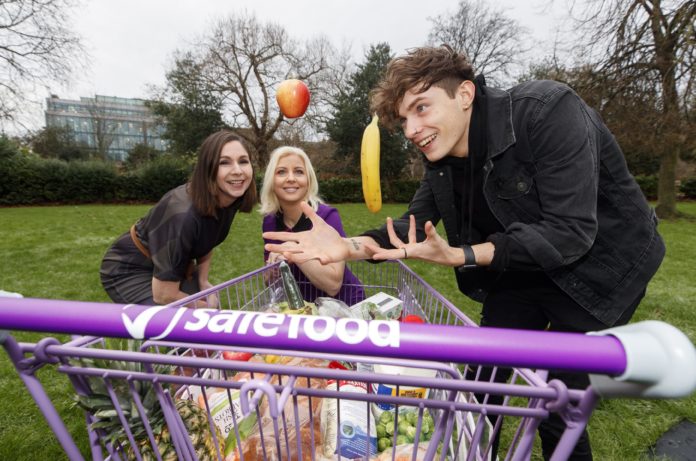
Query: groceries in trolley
(381,306)
(418,392)
(356,431)
(171,400)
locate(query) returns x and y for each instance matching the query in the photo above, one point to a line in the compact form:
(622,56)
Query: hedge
(688,188)
(29,180)
(648,184)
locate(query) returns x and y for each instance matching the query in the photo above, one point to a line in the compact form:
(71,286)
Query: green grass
(55,252)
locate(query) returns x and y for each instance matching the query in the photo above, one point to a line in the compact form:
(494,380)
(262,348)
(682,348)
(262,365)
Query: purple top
(351,291)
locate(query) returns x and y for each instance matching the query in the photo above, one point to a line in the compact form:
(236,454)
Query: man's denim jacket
(557,181)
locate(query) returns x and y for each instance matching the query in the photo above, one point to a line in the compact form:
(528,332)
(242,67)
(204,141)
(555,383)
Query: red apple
(293,98)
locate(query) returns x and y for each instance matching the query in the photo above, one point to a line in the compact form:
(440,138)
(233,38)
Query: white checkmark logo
(136,328)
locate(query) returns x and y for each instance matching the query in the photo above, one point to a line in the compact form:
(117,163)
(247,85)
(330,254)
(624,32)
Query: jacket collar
(501,134)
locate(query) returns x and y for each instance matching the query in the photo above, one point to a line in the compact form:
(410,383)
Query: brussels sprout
(383,444)
(385,417)
(401,440)
(412,417)
(410,433)
(403,426)
(381,431)
(389,427)
(426,428)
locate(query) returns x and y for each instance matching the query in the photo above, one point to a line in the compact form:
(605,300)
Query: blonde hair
(269,200)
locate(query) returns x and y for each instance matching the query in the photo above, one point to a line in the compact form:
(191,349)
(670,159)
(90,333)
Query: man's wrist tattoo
(356,245)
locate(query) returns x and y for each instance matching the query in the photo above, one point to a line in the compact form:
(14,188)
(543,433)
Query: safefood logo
(381,333)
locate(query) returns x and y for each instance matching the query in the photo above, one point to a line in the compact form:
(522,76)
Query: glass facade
(115,124)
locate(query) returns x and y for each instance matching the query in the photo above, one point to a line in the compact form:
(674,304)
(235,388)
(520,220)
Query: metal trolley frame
(181,350)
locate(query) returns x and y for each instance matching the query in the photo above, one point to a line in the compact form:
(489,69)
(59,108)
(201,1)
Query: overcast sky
(130,42)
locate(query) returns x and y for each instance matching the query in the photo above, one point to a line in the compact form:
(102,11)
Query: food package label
(225,411)
(349,439)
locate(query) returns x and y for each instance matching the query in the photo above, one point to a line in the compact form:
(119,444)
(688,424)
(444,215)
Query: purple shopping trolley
(316,387)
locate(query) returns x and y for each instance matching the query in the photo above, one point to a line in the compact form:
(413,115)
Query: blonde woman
(289,180)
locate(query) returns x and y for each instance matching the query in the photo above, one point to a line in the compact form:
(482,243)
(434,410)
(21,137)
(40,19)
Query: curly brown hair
(420,68)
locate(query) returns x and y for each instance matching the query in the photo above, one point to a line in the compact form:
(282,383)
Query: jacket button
(442,174)
(521,186)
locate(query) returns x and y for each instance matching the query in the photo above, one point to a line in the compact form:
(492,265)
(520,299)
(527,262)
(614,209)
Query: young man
(545,225)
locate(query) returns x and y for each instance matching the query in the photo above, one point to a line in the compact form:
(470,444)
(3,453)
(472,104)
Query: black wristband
(469,258)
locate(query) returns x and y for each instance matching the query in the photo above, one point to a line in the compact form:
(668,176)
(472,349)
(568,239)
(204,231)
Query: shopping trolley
(312,387)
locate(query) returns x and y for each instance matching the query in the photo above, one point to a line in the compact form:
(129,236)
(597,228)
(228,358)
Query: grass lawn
(55,252)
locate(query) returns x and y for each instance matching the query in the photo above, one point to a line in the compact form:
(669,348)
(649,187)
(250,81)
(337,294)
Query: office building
(109,125)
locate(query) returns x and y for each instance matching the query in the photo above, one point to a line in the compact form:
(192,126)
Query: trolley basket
(242,380)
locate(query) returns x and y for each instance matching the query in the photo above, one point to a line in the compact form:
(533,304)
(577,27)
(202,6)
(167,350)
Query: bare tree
(492,41)
(649,41)
(37,46)
(104,127)
(242,61)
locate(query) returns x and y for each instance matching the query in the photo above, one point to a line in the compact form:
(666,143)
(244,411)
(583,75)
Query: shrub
(340,190)
(349,189)
(688,188)
(90,181)
(7,148)
(30,180)
(399,190)
(161,175)
(22,182)
(648,184)
(644,163)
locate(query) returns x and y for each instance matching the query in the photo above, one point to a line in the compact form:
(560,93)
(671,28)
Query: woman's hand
(322,242)
(274,257)
(211,300)
(433,249)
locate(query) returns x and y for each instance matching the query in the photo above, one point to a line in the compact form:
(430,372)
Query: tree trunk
(665,61)
(261,146)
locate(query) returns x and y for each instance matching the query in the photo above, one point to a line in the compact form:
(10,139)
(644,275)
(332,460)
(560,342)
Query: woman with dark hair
(166,254)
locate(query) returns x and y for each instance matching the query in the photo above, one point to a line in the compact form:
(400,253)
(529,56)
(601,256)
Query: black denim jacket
(557,181)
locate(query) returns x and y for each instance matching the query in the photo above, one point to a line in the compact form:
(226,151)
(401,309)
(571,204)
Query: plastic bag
(331,307)
(403,453)
(283,445)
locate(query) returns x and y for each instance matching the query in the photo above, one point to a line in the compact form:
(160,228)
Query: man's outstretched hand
(322,242)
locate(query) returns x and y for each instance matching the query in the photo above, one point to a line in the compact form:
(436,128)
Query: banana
(369,166)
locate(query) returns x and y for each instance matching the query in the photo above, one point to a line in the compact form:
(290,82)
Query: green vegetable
(410,433)
(383,443)
(385,417)
(406,430)
(292,291)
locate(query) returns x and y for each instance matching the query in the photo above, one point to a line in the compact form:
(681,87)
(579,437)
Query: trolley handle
(660,362)
(649,359)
